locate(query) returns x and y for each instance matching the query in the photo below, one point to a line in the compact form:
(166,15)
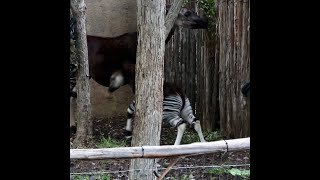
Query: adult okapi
(108,53)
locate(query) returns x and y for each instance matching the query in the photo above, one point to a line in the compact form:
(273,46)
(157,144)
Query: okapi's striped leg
(130,113)
(197,127)
(188,116)
(73,96)
(181,129)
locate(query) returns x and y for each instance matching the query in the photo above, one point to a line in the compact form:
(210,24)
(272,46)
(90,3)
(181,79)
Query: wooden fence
(212,70)
(234,66)
(175,151)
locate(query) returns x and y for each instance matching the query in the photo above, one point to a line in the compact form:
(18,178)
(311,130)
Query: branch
(78,7)
(172,15)
(169,167)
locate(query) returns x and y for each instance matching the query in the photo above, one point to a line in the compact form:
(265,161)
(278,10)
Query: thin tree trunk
(172,15)
(84,124)
(149,83)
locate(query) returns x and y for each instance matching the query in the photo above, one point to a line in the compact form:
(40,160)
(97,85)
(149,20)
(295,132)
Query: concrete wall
(110,18)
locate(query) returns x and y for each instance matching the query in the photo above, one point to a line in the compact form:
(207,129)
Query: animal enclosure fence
(212,67)
(226,159)
(212,70)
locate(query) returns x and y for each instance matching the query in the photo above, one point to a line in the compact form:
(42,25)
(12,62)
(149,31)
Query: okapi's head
(121,77)
(189,19)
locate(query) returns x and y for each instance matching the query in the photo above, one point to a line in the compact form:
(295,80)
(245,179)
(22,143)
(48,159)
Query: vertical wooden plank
(233,60)
(176,56)
(183,57)
(215,97)
(222,81)
(202,78)
(192,68)
(188,65)
(198,63)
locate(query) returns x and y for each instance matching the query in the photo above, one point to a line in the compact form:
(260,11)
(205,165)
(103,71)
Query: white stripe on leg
(72,111)
(129,124)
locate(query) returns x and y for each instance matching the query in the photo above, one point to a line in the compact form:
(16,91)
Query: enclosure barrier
(161,151)
(166,151)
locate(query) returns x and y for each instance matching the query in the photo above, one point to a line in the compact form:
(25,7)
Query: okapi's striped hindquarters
(176,112)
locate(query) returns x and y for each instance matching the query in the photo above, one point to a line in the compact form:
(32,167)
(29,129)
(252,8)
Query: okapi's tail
(172,89)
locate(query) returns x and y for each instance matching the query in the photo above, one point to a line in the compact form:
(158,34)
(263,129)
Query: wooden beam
(162,151)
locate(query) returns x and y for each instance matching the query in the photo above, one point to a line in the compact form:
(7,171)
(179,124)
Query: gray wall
(109,18)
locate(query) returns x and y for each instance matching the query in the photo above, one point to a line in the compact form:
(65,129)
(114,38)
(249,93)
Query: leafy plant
(191,136)
(86,177)
(233,171)
(80,177)
(238,172)
(104,177)
(218,171)
(209,9)
(212,136)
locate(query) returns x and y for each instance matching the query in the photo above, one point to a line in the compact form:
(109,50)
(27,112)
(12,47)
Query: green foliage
(104,177)
(191,136)
(86,177)
(212,136)
(111,143)
(233,171)
(81,177)
(218,171)
(209,9)
(238,172)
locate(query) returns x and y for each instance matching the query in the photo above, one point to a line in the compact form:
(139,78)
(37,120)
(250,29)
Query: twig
(170,166)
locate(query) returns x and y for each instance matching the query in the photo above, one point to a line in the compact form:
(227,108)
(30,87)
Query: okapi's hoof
(73,130)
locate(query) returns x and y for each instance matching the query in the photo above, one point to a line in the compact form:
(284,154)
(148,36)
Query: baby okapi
(177,110)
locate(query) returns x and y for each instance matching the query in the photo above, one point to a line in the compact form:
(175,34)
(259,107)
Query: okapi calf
(177,110)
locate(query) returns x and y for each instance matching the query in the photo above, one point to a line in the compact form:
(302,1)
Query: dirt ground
(109,119)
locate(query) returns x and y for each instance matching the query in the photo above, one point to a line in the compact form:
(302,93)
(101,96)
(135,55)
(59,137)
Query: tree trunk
(149,83)
(84,124)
